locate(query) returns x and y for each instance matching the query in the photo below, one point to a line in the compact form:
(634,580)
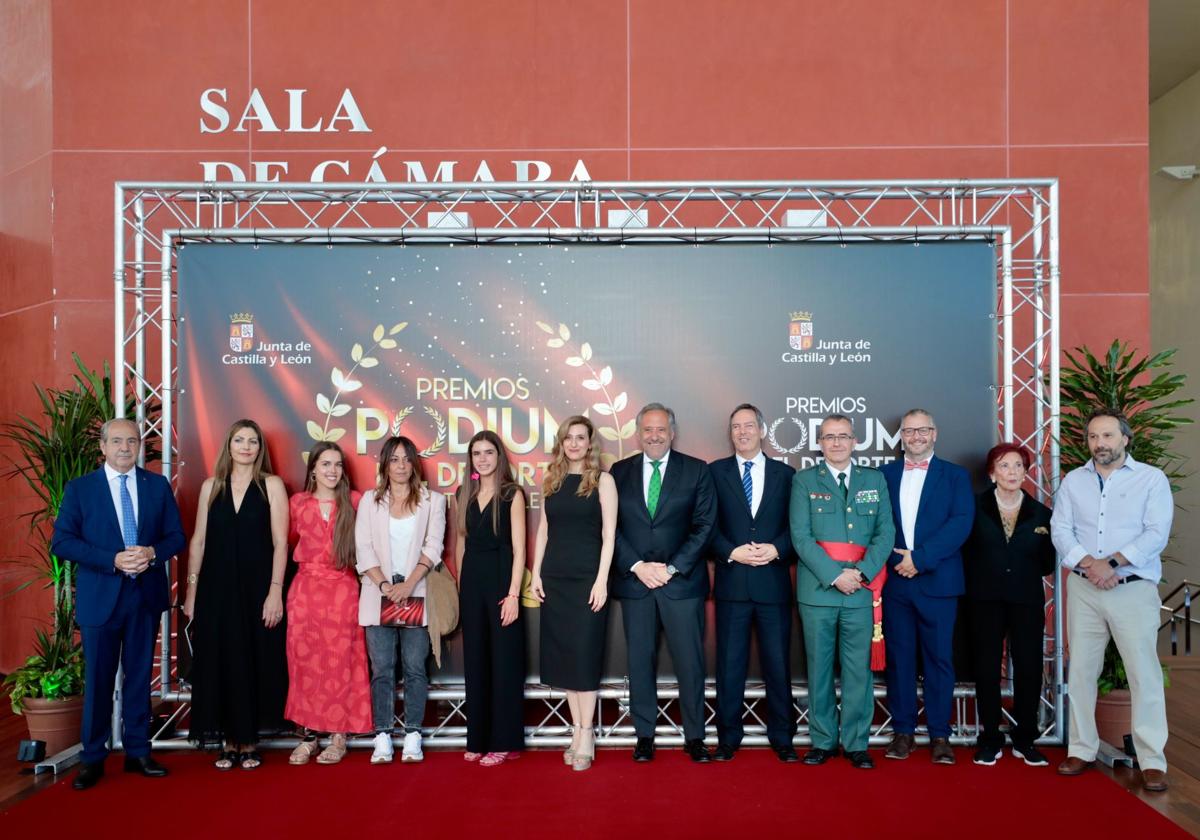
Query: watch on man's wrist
(1113,562)
(671,570)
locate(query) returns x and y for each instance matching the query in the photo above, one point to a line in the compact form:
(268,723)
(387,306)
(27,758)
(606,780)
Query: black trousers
(773,623)
(1023,625)
(682,619)
(493,661)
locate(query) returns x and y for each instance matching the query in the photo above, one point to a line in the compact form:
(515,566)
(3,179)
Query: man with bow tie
(933,509)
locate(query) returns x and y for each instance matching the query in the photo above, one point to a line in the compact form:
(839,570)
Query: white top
(648,470)
(911,484)
(758,471)
(114,487)
(401,533)
(1130,512)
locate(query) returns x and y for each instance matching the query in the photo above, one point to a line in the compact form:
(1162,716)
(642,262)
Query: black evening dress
(239,670)
(572,639)
(493,656)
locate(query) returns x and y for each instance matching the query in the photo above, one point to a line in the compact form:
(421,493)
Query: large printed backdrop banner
(354,342)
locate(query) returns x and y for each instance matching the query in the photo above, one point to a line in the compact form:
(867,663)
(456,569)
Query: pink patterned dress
(328,688)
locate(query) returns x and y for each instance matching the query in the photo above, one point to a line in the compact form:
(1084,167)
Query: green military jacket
(819,513)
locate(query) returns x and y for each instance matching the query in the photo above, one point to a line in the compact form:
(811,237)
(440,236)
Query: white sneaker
(383,749)
(412,748)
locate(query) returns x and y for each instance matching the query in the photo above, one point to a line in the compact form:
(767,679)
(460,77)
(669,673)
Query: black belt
(1126,579)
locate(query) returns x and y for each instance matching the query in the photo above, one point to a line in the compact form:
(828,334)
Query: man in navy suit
(119,525)
(752,548)
(933,508)
(665,515)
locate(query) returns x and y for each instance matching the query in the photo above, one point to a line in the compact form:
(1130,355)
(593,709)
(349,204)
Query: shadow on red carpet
(537,796)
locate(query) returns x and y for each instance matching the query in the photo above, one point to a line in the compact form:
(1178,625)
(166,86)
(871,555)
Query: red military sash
(853,553)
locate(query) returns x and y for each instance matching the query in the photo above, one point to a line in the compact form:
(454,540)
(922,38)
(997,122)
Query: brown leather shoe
(1154,781)
(1073,766)
(901,746)
(943,753)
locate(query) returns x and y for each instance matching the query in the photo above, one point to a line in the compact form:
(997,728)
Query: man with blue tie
(752,549)
(933,509)
(119,525)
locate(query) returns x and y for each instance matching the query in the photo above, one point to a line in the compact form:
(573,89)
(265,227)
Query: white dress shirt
(1131,514)
(843,471)
(114,486)
(648,470)
(911,484)
(758,474)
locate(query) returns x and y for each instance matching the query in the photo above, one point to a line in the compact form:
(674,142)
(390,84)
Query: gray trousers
(414,653)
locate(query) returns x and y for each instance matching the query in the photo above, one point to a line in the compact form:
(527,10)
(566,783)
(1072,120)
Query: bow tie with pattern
(909,465)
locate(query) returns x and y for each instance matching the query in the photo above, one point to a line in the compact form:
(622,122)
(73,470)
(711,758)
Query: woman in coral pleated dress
(328,686)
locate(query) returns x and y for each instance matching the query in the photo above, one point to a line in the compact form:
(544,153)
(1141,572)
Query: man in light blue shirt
(1112,518)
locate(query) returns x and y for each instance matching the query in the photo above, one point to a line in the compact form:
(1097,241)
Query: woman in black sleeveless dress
(490,550)
(571,561)
(239,667)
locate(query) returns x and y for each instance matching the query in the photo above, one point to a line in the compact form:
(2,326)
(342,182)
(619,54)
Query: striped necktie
(655,488)
(748,483)
(128,518)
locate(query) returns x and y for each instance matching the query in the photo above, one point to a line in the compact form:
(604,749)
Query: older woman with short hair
(1005,558)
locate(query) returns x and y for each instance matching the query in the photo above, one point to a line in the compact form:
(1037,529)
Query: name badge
(866,497)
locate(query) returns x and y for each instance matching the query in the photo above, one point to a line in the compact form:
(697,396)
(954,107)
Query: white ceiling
(1174,43)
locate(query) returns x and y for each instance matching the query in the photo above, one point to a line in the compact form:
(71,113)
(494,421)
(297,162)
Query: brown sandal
(335,752)
(304,751)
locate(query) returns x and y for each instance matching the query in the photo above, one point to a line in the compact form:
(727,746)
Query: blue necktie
(128,520)
(748,484)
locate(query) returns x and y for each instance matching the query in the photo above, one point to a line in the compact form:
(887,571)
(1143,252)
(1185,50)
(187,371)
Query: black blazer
(677,535)
(769,584)
(1009,571)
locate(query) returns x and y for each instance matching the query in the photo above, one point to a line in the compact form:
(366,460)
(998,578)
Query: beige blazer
(374,545)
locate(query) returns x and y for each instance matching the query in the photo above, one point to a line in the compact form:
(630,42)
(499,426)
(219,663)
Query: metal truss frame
(1021,216)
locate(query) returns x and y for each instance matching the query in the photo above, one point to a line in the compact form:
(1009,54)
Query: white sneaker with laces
(383,749)
(412,748)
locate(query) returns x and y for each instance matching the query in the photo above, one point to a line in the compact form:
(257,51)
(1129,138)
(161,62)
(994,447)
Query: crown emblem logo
(241,331)
(800,330)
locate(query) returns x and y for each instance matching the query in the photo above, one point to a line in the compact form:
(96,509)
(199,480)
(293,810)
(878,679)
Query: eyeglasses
(837,438)
(919,431)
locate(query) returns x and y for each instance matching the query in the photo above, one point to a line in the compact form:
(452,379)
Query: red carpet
(539,797)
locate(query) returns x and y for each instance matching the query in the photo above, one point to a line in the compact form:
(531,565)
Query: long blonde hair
(262,464)
(559,466)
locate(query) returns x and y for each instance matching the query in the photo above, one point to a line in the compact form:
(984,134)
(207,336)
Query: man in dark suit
(665,516)
(119,525)
(933,508)
(752,549)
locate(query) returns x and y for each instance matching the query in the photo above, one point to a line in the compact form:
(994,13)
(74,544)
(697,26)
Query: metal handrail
(1175,619)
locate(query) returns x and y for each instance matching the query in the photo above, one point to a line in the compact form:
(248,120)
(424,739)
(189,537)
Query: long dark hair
(343,526)
(506,483)
(262,464)
(384,483)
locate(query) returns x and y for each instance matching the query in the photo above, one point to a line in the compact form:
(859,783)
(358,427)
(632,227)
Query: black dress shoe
(817,756)
(644,751)
(697,751)
(861,760)
(88,775)
(724,752)
(145,765)
(785,753)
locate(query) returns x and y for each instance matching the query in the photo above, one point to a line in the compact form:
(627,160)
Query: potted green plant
(1144,390)
(51,449)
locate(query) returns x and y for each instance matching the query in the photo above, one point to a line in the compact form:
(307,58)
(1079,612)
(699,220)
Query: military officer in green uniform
(841,524)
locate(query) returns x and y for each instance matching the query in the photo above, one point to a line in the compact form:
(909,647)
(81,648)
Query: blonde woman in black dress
(571,560)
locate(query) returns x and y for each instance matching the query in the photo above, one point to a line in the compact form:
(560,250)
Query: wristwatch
(192,578)
(671,570)
(1112,561)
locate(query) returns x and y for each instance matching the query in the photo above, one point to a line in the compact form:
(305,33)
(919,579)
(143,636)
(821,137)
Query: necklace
(1006,507)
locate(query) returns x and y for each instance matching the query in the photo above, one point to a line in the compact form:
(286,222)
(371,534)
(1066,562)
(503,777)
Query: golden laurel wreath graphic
(798,447)
(344,383)
(438,442)
(597,381)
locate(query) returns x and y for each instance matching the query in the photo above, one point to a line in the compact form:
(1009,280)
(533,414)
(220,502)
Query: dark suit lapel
(105,493)
(633,486)
(932,478)
(143,504)
(733,478)
(1027,508)
(771,479)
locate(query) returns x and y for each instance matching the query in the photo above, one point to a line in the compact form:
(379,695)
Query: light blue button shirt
(1131,514)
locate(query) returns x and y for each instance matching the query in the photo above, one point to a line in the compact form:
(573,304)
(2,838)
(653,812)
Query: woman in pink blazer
(399,534)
